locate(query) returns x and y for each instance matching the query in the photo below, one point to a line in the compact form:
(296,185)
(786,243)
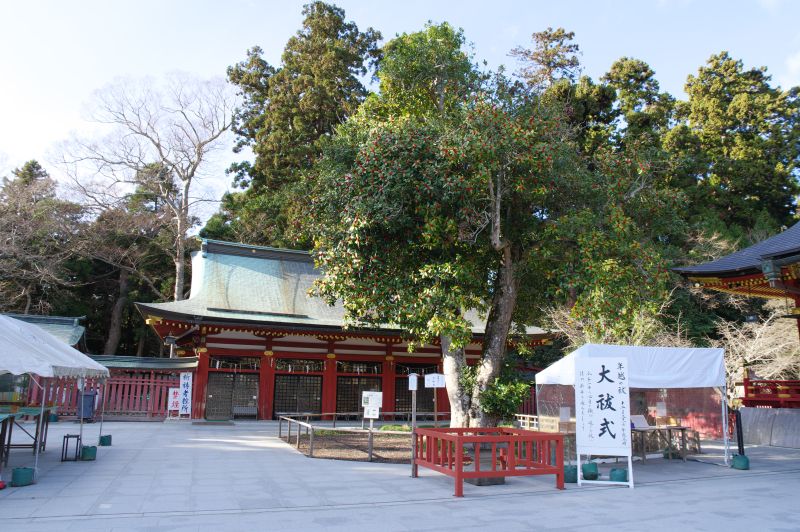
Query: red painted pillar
(199,386)
(387,386)
(329,381)
(266,382)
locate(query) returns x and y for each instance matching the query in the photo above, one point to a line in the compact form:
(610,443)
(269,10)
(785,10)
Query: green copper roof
(257,284)
(152,363)
(67,329)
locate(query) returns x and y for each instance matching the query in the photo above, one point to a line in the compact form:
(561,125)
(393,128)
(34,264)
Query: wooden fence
(141,396)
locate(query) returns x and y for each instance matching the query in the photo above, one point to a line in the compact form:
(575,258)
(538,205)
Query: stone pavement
(179,476)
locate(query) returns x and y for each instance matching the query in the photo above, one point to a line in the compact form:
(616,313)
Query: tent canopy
(25,348)
(648,367)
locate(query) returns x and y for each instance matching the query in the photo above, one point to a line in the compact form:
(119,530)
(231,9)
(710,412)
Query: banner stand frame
(582,481)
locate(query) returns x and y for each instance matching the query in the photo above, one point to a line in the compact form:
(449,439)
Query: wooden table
(6,426)
(664,433)
(39,436)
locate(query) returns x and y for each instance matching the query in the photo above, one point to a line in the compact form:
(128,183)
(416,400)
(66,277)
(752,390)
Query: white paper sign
(373,399)
(186,393)
(661,409)
(602,406)
(412,382)
(564,414)
(371,412)
(174,399)
(434,380)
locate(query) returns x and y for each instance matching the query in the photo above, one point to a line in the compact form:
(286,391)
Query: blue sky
(55,53)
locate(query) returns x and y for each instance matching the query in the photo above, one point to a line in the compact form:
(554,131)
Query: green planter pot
(741,462)
(105,441)
(571,474)
(21,476)
(618,475)
(590,471)
(89,452)
(53,418)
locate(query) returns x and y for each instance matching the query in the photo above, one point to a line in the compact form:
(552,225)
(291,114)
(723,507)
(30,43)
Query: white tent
(648,367)
(25,348)
(653,368)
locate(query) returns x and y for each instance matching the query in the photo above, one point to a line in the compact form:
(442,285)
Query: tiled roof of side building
(145,363)
(244,283)
(749,260)
(66,328)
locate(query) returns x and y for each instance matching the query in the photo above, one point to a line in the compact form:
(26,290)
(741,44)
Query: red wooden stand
(513,452)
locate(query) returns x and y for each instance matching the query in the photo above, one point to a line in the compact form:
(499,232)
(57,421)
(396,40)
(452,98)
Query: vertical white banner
(602,406)
(186,393)
(174,399)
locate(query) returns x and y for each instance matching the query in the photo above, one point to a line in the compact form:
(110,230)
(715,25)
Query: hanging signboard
(174,400)
(434,380)
(602,408)
(186,393)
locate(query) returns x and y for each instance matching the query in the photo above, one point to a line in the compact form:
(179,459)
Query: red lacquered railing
(776,394)
(490,452)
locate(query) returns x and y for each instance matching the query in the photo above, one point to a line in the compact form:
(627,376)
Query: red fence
(143,396)
(776,394)
(509,452)
(528,406)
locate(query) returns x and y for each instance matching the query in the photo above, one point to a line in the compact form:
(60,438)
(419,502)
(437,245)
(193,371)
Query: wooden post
(329,380)
(459,468)
(370,438)
(388,382)
(152,399)
(266,379)
(199,387)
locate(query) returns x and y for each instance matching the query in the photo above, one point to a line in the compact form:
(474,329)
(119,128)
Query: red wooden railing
(528,406)
(775,394)
(142,396)
(509,452)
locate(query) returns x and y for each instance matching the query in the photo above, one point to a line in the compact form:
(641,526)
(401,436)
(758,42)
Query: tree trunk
(28,300)
(455,364)
(115,324)
(180,264)
(142,341)
(498,325)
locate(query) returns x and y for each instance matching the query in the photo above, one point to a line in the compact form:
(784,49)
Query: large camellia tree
(453,192)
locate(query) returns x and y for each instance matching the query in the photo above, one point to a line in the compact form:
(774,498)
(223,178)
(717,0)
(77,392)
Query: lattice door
(219,395)
(348,391)
(245,395)
(298,393)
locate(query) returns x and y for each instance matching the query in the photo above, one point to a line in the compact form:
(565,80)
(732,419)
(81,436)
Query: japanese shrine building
(265,347)
(769,269)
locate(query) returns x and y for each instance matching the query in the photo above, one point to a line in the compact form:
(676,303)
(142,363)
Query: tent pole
(102,409)
(724,391)
(37,440)
(81,389)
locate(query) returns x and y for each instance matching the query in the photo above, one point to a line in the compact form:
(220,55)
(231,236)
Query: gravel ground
(386,448)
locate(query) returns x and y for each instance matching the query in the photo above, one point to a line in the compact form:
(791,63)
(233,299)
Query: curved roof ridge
(750,258)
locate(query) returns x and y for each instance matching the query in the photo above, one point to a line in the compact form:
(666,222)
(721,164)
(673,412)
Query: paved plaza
(183,476)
